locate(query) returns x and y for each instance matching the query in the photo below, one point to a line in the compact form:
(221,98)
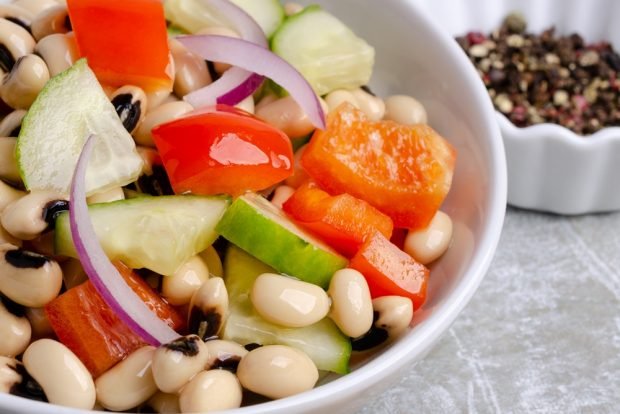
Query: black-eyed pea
(281,194)
(288,302)
(351,302)
(299,175)
(6,237)
(224,355)
(17,15)
(160,114)
(286,115)
(63,377)
(9,374)
(219,31)
(8,195)
(28,278)
(191,71)
(179,287)
(130,103)
(405,110)
(213,261)
(14,379)
(50,21)
(26,79)
(277,371)
(12,123)
(158,97)
(175,363)
(128,383)
(208,391)
(29,216)
(163,403)
(371,105)
(208,309)
(394,314)
(15,330)
(335,98)
(40,324)
(8,164)
(35,6)
(59,51)
(113,194)
(428,244)
(291,8)
(17,42)
(246,105)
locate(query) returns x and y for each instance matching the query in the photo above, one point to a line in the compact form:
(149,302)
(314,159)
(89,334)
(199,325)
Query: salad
(201,203)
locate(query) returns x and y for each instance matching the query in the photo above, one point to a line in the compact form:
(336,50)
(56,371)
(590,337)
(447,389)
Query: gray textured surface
(542,333)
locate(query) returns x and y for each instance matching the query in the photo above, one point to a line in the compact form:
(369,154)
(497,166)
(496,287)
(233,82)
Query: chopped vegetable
(264,231)
(404,171)
(223,151)
(331,58)
(343,221)
(158,233)
(390,271)
(259,60)
(70,107)
(126,42)
(93,331)
(323,342)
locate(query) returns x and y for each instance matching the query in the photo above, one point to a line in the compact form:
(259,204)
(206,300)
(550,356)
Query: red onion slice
(103,275)
(235,84)
(261,61)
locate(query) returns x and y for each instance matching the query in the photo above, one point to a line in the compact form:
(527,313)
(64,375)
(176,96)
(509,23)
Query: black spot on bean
(206,323)
(7,61)
(23,259)
(52,210)
(228,364)
(211,67)
(374,337)
(367,89)
(19,22)
(28,387)
(188,346)
(157,183)
(15,132)
(251,346)
(13,307)
(128,110)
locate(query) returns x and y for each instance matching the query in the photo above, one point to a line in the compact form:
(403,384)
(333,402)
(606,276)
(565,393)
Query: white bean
(351,302)
(405,110)
(178,288)
(221,352)
(174,364)
(372,106)
(427,245)
(15,332)
(395,313)
(163,403)
(335,98)
(63,377)
(208,308)
(286,115)
(208,391)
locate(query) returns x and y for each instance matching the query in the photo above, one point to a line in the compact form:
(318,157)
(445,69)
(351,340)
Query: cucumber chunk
(264,231)
(158,233)
(322,342)
(70,108)
(193,15)
(324,50)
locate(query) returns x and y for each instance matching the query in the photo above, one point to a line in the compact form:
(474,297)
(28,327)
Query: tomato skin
(125,41)
(390,271)
(223,151)
(86,324)
(343,221)
(405,171)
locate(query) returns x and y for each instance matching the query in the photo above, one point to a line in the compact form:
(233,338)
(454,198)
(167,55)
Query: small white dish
(550,168)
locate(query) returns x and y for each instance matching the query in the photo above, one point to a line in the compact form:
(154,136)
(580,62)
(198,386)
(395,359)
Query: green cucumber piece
(322,342)
(324,50)
(157,233)
(194,15)
(71,106)
(264,231)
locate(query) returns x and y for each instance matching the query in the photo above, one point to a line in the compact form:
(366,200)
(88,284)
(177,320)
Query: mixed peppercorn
(536,78)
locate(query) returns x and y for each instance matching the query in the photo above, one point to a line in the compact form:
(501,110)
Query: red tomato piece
(390,271)
(343,221)
(125,41)
(403,170)
(224,151)
(86,324)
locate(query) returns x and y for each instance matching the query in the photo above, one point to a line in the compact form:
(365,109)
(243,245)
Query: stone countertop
(541,334)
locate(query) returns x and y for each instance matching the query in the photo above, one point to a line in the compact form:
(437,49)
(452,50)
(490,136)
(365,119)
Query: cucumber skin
(332,351)
(63,242)
(243,226)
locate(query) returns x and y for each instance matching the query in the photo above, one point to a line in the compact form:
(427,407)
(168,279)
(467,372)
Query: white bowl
(550,168)
(413,57)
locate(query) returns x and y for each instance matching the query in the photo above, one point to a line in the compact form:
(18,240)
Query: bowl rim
(421,339)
